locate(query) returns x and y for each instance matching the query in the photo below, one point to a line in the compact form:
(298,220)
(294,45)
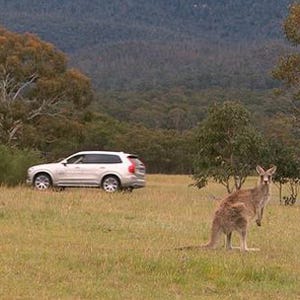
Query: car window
(135,160)
(101,159)
(77,159)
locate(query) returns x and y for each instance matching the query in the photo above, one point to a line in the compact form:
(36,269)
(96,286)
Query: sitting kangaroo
(237,210)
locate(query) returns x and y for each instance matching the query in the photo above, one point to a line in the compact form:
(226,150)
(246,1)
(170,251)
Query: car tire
(42,182)
(111,184)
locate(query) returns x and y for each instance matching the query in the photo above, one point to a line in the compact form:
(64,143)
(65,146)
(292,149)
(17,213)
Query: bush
(14,164)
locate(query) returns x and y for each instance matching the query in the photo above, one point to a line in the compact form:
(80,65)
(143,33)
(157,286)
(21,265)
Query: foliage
(287,158)
(163,151)
(285,145)
(291,24)
(180,108)
(35,83)
(137,44)
(283,151)
(229,146)
(287,70)
(14,164)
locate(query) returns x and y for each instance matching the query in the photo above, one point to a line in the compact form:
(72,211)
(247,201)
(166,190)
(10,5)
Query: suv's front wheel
(111,184)
(42,182)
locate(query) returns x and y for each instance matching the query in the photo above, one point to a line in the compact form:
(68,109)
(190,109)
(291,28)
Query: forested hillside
(146,44)
(162,63)
(122,20)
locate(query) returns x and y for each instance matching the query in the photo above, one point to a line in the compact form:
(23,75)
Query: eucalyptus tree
(287,69)
(228,146)
(286,144)
(35,84)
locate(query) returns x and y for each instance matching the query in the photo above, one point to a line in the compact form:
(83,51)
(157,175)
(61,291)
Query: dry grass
(86,244)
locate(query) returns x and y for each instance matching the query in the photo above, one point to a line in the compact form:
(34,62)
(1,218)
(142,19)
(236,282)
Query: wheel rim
(42,182)
(110,184)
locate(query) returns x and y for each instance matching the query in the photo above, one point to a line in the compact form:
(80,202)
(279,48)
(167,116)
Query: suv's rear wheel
(111,184)
(42,182)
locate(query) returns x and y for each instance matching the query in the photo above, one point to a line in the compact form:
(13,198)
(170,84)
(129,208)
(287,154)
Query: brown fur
(237,210)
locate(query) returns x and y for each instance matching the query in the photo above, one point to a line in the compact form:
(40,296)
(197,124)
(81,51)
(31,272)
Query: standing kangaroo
(237,210)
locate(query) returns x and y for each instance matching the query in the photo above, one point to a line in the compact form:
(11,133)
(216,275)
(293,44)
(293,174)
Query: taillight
(131,168)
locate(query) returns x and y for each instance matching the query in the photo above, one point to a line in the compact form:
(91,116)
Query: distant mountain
(142,44)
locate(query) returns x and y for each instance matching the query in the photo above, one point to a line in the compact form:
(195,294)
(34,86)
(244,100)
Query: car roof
(102,152)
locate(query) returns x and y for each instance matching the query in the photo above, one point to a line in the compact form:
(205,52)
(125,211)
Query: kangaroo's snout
(265,180)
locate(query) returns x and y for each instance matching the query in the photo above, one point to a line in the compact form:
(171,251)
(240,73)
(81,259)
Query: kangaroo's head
(265,176)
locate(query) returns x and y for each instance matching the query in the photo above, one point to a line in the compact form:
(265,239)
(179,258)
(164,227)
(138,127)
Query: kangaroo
(237,210)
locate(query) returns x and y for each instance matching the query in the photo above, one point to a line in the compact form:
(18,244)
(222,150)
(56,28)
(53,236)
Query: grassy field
(86,244)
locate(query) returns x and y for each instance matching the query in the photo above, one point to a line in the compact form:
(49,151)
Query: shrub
(14,164)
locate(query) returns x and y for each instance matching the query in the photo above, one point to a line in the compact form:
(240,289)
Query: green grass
(86,244)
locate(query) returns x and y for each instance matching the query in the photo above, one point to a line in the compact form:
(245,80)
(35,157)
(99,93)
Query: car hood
(44,166)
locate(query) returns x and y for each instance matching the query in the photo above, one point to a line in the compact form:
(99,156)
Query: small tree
(14,164)
(283,145)
(229,147)
(288,171)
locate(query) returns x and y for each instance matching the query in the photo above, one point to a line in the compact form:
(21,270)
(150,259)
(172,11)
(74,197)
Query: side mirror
(64,162)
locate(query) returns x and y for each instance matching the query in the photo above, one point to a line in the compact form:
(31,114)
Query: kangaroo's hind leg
(244,247)
(228,241)
(243,234)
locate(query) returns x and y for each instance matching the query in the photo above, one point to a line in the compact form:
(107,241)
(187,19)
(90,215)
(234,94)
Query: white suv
(111,171)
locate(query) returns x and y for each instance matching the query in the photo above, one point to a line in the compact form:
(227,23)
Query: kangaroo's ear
(272,170)
(260,170)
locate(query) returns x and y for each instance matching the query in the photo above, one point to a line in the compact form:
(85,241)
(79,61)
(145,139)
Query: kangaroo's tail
(215,234)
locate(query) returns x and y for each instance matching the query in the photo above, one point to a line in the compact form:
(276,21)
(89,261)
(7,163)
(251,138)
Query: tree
(287,70)
(229,147)
(163,151)
(283,151)
(35,83)
(285,145)
(286,157)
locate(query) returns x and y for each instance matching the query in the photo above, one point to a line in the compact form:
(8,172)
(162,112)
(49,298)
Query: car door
(92,169)
(70,172)
(86,169)
(96,165)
